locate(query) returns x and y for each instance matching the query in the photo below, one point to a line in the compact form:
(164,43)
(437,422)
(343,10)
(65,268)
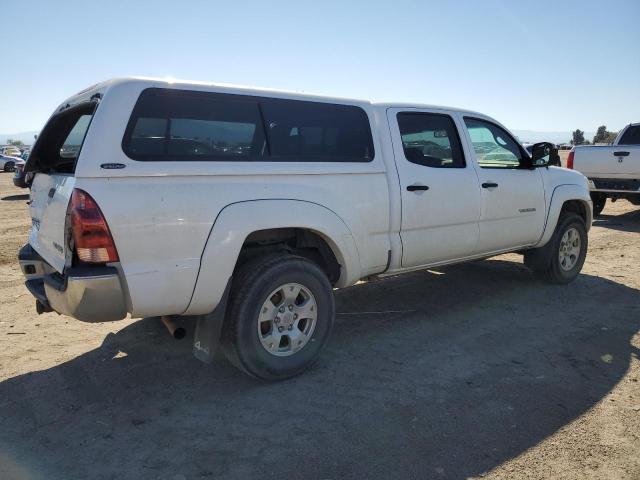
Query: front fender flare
(560,195)
(237,221)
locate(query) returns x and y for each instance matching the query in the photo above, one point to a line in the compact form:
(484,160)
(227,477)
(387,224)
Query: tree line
(601,136)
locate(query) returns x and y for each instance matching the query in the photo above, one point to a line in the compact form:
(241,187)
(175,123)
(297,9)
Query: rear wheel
(562,258)
(279,317)
(9,166)
(599,201)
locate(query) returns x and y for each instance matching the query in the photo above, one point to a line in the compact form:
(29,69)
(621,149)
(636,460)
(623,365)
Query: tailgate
(50,195)
(53,160)
(622,161)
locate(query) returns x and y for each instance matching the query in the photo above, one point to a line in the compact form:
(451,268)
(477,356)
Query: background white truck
(613,170)
(244,208)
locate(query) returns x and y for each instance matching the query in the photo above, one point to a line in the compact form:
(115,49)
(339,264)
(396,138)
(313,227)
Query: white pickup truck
(613,170)
(245,208)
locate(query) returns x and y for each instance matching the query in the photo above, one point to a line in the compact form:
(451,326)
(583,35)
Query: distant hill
(532,136)
(24,137)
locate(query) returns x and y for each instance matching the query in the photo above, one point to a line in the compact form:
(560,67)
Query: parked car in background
(19,176)
(245,208)
(613,170)
(7,162)
(11,151)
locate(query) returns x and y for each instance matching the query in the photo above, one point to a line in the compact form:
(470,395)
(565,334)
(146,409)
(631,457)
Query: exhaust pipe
(176,331)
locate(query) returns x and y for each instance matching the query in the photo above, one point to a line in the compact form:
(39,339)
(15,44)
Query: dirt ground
(475,370)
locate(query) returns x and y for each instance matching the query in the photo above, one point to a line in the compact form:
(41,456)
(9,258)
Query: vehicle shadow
(427,375)
(13,198)
(627,222)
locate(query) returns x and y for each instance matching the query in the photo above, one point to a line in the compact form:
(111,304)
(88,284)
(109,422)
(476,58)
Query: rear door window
(431,140)
(178,125)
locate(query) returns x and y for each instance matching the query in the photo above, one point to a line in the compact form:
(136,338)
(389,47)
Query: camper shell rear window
(181,125)
(58,146)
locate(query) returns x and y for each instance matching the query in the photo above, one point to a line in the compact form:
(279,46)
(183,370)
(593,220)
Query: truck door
(513,201)
(439,187)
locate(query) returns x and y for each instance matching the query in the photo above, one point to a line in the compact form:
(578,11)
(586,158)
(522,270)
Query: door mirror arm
(526,163)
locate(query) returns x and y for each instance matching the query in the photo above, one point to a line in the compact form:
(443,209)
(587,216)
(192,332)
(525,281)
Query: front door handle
(620,154)
(489,185)
(415,188)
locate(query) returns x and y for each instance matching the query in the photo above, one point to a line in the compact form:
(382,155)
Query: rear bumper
(92,294)
(614,185)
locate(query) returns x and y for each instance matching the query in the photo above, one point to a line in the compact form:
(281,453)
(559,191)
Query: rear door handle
(415,188)
(489,185)
(620,154)
(52,192)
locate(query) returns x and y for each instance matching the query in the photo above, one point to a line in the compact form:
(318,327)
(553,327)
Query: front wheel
(9,166)
(561,260)
(280,316)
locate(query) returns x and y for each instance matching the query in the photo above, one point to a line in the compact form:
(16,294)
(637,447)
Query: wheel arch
(578,207)
(572,198)
(265,225)
(305,242)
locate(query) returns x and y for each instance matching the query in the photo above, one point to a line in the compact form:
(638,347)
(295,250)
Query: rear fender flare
(237,221)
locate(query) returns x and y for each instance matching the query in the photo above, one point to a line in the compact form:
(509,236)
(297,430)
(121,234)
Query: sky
(533,65)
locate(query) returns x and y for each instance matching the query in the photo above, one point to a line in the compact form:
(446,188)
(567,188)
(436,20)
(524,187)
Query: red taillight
(91,235)
(570,159)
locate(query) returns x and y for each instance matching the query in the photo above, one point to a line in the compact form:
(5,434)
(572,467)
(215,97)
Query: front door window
(493,146)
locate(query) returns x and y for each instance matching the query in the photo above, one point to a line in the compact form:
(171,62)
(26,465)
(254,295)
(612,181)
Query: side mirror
(544,154)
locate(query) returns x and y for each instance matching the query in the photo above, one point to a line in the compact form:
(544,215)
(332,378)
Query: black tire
(545,261)
(9,166)
(251,286)
(599,201)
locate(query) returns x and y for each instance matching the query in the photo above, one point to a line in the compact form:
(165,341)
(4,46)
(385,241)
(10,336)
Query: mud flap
(538,259)
(206,340)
